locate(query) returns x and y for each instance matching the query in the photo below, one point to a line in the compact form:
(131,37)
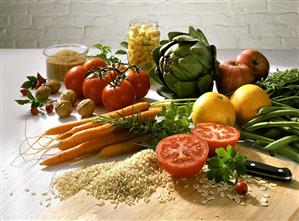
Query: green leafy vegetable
(228,165)
(283,87)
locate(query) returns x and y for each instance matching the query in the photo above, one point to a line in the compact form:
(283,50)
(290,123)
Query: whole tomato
(94,62)
(111,75)
(118,96)
(74,79)
(140,81)
(93,86)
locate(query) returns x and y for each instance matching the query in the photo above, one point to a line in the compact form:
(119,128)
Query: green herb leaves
(173,119)
(283,87)
(34,101)
(228,165)
(34,82)
(106,53)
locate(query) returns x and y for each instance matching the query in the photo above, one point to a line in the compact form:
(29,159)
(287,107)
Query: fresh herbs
(173,119)
(283,87)
(34,101)
(34,82)
(38,101)
(107,55)
(227,166)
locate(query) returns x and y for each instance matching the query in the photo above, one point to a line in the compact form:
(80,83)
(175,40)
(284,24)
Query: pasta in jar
(143,38)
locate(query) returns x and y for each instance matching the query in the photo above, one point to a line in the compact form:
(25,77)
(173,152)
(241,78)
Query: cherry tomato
(241,188)
(34,111)
(216,135)
(119,96)
(24,91)
(93,86)
(121,67)
(140,81)
(49,108)
(182,155)
(94,62)
(111,75)
(74,79)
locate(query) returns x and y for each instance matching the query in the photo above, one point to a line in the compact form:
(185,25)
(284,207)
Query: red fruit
(49,108)
(34,111)
(74,79)
(141,82)
(216,135)
(94,62)
(24,91)
(256,61)
(241,188)
(233,74)
(182,155)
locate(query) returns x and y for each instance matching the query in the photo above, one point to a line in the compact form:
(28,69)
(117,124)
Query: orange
(213,107)
(247,101)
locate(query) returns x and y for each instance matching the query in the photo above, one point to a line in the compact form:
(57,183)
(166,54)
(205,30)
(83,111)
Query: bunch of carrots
(89,136)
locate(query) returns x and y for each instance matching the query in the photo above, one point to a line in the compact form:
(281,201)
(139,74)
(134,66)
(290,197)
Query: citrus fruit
(247,101)
(213,107)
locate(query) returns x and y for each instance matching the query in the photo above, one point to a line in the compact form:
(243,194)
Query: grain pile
(125,181)
(139,177)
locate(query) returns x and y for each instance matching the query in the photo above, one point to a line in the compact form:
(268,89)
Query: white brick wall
(235,24)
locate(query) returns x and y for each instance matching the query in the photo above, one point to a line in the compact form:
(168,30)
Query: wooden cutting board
(283,203)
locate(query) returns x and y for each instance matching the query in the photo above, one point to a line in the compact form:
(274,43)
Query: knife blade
(268,171)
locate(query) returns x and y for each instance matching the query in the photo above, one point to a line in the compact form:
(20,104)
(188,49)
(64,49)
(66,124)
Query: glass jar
(60,58)
(143,38)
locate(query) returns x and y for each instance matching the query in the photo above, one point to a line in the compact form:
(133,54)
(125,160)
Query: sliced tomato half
(216,135)
(182,155)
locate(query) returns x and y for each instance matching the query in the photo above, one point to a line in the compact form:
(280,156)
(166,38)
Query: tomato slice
(182,155)
(216,135)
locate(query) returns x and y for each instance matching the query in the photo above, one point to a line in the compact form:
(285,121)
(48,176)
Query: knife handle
(264,170)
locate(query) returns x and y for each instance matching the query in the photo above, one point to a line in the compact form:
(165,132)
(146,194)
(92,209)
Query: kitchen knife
(268,171)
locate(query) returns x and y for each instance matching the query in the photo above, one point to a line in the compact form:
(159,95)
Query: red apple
(233,75)
(256,61)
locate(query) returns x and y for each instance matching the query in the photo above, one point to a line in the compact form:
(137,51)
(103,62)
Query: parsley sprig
(227,166)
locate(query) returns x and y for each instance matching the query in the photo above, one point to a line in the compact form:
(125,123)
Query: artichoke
(186,65)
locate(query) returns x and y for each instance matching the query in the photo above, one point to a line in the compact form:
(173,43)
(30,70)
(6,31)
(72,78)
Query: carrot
(85,148)
(67,126)
(136,108)
(100,131)
(120,148)
(126,111)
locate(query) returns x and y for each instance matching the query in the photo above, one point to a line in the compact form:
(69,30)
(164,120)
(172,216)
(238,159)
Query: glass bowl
(60,58)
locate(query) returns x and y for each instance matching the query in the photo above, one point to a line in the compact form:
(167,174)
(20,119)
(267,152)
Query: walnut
(69,95)
(86,107)
(63,108)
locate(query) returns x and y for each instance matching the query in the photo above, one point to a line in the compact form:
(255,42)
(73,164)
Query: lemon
(213,107)
(247,100)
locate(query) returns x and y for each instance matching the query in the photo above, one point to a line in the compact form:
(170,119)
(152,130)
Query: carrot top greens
(173,119)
